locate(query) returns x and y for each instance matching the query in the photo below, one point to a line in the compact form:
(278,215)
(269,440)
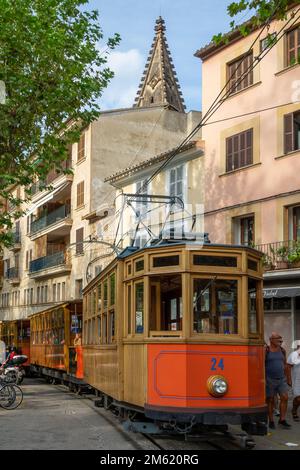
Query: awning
(47,197)
(281,292)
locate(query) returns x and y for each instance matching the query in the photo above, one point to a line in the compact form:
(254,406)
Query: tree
(263,11)
(52,74)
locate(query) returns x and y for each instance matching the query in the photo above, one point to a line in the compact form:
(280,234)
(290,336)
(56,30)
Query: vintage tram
(16,333)
(56,345)
(173,337)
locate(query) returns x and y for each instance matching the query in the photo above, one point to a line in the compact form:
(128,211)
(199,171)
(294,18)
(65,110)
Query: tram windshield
(215,306)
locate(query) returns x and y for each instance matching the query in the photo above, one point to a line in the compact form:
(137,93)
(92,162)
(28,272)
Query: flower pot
(282,265)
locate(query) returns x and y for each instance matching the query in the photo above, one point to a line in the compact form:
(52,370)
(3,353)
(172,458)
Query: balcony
(51,265)
(58,222)
(52,175)
(280,255)
(16,241)
(13,275)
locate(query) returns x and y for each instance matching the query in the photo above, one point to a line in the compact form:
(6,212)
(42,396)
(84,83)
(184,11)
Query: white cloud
(128,67)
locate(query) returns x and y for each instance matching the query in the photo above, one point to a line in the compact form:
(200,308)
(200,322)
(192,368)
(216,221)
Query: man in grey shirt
(276,379)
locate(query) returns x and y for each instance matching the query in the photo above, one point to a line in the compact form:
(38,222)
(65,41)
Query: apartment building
(63,240)
(168,203)
(252,158)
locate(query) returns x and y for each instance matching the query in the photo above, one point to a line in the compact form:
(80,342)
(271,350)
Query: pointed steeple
(159,84)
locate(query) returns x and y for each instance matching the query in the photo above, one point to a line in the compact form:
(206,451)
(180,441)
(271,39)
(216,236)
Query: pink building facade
(252,158)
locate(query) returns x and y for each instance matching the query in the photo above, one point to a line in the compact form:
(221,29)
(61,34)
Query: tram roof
(62,304)
(130,250)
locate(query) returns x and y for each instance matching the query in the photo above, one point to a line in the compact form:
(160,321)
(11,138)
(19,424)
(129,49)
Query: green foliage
(294,253)
(262,10)
(54,75)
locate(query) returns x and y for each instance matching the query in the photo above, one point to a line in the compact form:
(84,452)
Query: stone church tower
(159,85)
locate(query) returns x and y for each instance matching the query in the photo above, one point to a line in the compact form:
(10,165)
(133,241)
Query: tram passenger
(294,369)
(276,379)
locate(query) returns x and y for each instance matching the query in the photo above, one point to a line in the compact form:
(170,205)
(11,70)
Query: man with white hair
(293,362)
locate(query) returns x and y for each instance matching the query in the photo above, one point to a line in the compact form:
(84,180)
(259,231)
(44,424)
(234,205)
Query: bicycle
(11,396)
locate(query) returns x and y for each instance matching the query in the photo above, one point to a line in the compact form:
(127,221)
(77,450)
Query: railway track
(198,443)
(229,440)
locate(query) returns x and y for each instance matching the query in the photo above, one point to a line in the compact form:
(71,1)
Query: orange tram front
(56,343)
(173,335)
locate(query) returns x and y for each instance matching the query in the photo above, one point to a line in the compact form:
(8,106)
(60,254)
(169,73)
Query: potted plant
(282,254)
(294,255)
(267,262)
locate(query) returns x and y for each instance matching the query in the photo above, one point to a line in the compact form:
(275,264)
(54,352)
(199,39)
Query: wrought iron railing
(45,262)
(49,219)
(16,237)
(12,273)
(280,255)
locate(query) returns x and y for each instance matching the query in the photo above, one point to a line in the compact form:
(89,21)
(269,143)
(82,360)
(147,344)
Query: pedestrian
(276,380)
(294,369)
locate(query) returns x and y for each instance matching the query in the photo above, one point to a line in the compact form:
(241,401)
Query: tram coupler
(142,427)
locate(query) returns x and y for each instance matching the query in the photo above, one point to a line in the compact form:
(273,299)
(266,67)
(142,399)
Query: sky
(190,25)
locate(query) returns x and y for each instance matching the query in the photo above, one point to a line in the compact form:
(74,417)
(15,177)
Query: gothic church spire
(159,84)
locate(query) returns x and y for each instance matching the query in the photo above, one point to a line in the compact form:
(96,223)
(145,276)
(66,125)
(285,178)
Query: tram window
(139,307)
(253,265)
(89,332)
(99,298)
(111,328)
(85,332)
(104,329)
(166,303)
(112,288)
(226,261)
(94,310)
(253,306)
(164,261)
(139,265)
(129,310)
(215,306)
(93,331)
(105,294)
(98,330)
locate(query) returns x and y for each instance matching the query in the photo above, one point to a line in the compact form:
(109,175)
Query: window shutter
(79,241)
(81,147)
(288,133)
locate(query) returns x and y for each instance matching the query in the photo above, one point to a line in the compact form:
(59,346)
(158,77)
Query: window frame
(296,33)
(231,141)
(232,69)
(208,276)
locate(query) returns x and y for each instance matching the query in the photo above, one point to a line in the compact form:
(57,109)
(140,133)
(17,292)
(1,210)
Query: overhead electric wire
(209,114)
(218,102)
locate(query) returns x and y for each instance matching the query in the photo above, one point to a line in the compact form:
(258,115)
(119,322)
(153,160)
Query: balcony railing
(50,261)
(281,255)
(49,219)
(12,273)
(52,175)
(16,237)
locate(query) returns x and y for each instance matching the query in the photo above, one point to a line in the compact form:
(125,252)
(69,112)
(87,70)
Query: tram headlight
(217,386)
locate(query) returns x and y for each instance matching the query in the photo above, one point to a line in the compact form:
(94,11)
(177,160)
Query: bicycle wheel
(11,396)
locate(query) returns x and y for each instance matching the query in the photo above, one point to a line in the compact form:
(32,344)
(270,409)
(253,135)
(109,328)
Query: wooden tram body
(16,333)
(162,324)
(53,353)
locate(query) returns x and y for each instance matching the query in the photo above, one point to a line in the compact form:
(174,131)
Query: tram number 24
(217,363)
